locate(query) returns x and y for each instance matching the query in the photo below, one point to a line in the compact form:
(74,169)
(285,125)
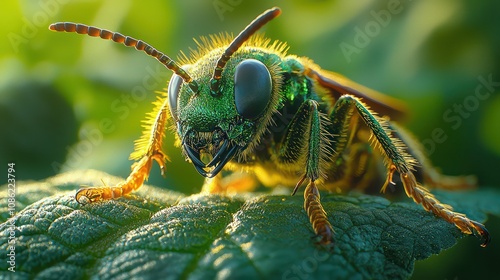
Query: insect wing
(379,102)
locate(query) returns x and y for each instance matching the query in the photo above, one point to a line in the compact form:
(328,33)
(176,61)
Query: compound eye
(174,86)
(252,88)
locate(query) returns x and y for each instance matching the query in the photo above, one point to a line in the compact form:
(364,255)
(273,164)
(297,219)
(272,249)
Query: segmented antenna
(255,25)
(129,42)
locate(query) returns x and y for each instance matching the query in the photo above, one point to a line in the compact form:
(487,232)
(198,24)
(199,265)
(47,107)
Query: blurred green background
(73,102)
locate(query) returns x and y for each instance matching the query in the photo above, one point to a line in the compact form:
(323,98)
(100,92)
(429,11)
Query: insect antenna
(129,42)
(255,25)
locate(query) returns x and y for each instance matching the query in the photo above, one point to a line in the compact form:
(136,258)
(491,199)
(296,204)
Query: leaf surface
(159,233)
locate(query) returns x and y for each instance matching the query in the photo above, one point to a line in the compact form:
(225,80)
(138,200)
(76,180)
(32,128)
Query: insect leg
(400,161)
(353,167)
(148,149)
(431,176)
(359,170)
(317,215)
(302,145)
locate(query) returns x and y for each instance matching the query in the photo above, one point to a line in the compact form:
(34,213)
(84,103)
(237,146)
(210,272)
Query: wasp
(244,105)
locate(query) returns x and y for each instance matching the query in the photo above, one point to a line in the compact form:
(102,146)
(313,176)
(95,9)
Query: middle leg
(398,160)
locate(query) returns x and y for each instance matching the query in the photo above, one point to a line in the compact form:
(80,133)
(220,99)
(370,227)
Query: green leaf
(164,234)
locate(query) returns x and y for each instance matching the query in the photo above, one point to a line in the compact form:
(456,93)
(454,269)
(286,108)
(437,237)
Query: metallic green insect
(246,106)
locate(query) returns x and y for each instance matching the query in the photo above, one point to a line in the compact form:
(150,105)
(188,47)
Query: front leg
(305,145)
(147,149)
(140,173)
